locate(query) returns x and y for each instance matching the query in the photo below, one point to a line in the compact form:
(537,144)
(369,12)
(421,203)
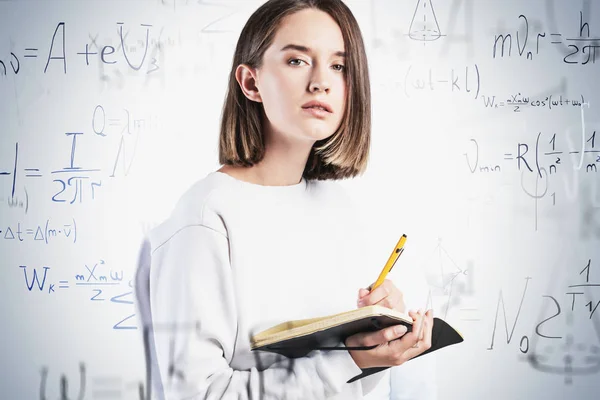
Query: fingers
(428,331)
(382,336)
(386,295)
(386,350)
(414,343)
(418,320)
(386,335)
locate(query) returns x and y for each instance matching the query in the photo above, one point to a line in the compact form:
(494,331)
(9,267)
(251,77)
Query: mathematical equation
(519,102)
(422,81)
(581,49)
(552,152)
(543,160)
(102,386)
(464,80)
(577,358)
(94,279)
(43,233)
(467,80)
(56,54)
(77,184)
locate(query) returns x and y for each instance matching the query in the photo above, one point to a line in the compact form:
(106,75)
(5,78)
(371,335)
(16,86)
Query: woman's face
(304,63)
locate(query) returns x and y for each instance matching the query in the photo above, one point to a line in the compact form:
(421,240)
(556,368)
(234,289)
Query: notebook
(297,338)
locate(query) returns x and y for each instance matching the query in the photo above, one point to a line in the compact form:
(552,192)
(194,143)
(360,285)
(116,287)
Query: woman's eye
(340,67)
(295,59)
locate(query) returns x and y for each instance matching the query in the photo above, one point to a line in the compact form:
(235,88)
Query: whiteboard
(484,152)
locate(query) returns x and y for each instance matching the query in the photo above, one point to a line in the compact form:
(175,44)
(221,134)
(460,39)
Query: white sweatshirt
(235,258)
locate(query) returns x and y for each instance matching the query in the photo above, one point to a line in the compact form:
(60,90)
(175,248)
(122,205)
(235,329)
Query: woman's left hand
(386,295)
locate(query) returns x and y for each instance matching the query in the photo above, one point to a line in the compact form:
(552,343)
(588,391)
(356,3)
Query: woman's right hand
(390,352)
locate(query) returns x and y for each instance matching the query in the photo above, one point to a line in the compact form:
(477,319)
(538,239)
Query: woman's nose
(319,80)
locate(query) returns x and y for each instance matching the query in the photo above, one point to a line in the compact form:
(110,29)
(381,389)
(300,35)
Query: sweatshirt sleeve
(194,320)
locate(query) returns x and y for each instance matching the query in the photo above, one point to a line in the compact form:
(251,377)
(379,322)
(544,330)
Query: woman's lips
(316,112)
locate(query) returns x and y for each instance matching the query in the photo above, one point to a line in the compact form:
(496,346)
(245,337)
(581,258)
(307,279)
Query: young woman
(271,236)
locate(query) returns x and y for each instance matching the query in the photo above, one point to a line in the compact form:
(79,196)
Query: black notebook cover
(442,335)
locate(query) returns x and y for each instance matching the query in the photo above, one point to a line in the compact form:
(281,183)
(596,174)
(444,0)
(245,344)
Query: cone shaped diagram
(424,25)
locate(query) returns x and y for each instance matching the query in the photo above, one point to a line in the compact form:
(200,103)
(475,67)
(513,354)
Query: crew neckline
(297,187)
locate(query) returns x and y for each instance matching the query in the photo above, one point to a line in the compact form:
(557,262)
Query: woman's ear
(246,78)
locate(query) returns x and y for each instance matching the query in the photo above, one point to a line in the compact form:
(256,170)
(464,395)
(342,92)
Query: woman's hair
(345,153)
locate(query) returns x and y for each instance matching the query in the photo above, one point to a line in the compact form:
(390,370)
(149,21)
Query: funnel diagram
(424,26)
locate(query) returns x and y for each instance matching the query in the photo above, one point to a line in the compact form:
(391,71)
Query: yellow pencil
(390,262)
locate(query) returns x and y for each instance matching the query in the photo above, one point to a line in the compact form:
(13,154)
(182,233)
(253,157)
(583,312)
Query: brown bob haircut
(345,153)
